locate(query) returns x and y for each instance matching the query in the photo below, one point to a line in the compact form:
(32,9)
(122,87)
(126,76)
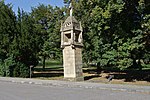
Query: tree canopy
(116,34)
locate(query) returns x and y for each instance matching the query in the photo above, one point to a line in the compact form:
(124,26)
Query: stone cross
(71,9)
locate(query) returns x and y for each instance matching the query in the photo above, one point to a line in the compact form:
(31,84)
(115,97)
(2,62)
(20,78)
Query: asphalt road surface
(18,91)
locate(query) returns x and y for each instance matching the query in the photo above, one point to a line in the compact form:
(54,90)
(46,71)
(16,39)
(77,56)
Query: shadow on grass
(47,75)
(134,75)
(90,77)
(131,75)
(90,71)
(127,75)
(48,69)
(48,72)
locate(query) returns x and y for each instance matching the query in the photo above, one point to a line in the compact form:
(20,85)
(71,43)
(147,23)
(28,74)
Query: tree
(7,34)
(19,42)
(144,10)
(7,28)
(47,25)
(54,33)
(41,16)
(113,35)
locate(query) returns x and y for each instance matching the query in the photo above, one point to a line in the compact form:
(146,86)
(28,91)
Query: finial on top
(71,8)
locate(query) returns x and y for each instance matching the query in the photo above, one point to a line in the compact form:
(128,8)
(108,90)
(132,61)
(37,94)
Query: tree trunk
(44,58)
(98,68)
(139,65)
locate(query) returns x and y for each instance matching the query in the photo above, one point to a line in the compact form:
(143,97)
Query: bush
(10,68)
(1,68)
(21,70)
(16,71)
(6,67)
(24,70)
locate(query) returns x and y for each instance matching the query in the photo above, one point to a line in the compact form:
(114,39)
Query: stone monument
(72,43)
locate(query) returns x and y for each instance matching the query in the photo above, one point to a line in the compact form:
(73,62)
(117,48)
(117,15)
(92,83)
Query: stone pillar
(72,58)
(71,43)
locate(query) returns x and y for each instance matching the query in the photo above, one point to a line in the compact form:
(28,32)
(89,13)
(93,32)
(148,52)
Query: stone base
(72,63)
(79,79)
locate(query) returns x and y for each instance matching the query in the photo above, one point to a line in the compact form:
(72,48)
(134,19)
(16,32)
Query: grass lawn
(50,64)
(54,71)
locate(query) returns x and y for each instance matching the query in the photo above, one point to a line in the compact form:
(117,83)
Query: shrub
(10,68)
(24,70)
(1,68)
(7,67)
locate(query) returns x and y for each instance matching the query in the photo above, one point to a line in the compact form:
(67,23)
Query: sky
(27,4)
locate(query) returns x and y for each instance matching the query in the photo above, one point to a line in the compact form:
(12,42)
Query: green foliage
(54,34)
(26,37)
(116,34)
(2,69)
(16,70)
(47,23)
(7,28)
(7,31)
(21,70)
(18,43)
(8,66)
(24,70)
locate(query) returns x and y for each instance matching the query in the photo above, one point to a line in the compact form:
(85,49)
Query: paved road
(19,91)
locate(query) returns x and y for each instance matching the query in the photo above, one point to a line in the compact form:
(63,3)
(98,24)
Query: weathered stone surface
(71,42)
(72,59)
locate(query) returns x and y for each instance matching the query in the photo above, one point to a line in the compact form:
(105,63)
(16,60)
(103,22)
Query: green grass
(50,63)
(53,70)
